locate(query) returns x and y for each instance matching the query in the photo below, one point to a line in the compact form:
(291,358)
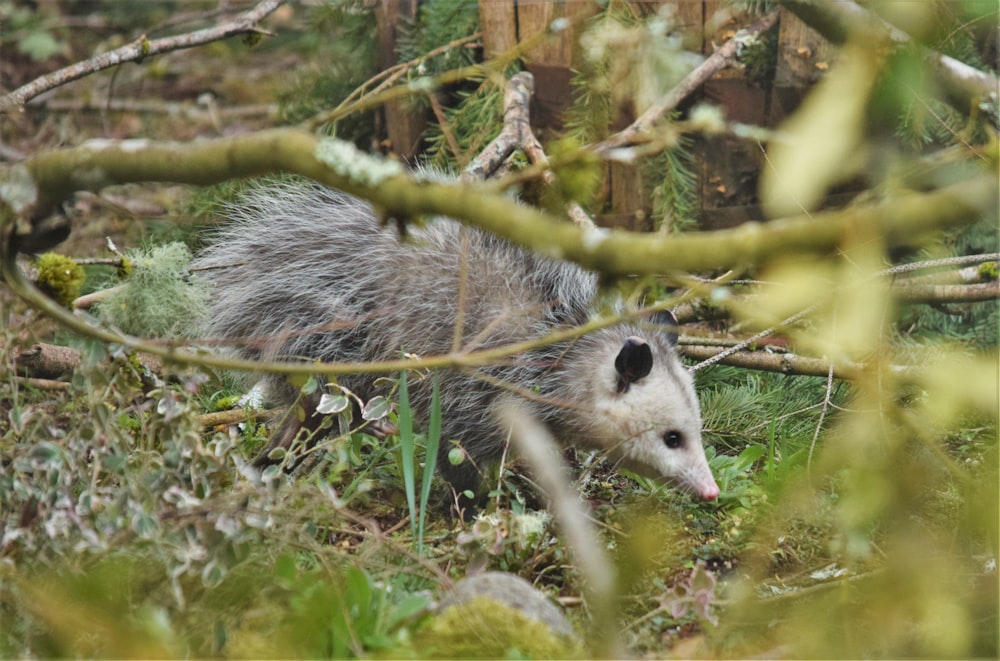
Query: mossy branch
(901,218)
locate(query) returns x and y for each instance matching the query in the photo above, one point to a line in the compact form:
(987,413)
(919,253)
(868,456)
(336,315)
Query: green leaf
(331,404)
(749,456)
(411,605)
(376,408)
(145,526)
(285,569)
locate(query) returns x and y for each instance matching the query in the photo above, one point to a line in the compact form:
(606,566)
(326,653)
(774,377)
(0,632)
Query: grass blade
(430,459)
(407,449)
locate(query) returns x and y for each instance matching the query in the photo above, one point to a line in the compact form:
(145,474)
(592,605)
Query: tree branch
(517,134)
(785,363)
(50,177)
(136,52)
(928,293)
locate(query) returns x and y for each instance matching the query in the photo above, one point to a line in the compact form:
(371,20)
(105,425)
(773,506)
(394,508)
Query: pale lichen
(347,160)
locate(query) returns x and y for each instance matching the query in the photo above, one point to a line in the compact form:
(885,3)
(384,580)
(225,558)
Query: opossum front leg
(290,429)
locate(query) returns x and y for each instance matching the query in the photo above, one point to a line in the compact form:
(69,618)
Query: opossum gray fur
(305,272)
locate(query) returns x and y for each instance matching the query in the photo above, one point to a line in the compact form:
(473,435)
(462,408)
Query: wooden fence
(726,167)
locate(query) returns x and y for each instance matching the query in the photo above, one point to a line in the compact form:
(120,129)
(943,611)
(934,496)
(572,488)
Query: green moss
(486,628)
(989,271)
(60,277)
(125,268)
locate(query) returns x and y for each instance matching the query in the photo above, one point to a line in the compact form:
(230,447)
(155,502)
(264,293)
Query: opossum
(305,272)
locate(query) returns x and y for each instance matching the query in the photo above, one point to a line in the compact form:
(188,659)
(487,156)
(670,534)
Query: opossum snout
(709,491)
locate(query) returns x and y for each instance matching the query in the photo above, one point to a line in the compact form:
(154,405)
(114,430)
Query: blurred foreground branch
(533,442)
(40,183)
(965,86)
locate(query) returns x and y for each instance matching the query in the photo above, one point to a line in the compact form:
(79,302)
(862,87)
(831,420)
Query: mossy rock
(498,615)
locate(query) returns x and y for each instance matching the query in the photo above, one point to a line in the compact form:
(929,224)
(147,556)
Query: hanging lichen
(159,299)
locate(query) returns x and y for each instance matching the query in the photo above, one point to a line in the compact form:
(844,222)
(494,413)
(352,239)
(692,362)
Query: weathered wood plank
(404,128)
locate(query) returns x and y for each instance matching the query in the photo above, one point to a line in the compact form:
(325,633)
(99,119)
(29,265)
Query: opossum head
(643,409)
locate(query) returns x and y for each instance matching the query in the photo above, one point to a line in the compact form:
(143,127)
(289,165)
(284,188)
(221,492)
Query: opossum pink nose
(710,492)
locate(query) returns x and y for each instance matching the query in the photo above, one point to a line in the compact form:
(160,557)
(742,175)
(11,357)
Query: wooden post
(498,23)
(403,127)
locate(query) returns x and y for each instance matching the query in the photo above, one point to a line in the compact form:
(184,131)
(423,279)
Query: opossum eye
(673,439)
(667,319)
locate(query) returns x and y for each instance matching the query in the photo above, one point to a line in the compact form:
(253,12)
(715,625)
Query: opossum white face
(647,414)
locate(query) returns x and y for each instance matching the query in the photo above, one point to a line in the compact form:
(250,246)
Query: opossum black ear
(669,322)
(634,361)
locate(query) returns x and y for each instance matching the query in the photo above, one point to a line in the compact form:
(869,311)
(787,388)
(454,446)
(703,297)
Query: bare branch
(234,416)
(136,52)
(517,134)
(926,293)
(46,361)
(785,363)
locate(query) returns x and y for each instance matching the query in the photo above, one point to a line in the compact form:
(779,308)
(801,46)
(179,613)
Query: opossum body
(305,272)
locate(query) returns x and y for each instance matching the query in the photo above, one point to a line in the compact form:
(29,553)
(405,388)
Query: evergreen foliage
(472,111)
(471,122)
(345,55)
(439,23)
(675,192)
(602,92)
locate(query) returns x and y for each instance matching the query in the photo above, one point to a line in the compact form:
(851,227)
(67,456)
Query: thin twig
(383,80)
(751,340)
(938,263)
(822,416)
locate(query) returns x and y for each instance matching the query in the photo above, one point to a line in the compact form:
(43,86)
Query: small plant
(407,442)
